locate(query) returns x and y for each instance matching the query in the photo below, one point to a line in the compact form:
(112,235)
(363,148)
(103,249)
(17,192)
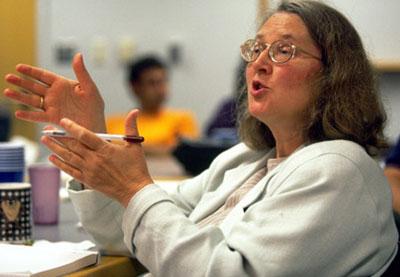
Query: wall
(210,33)
(17,32)
(378,24)
(390,88)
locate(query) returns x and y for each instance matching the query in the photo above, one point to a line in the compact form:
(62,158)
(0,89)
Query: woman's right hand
(117,170)
(78,100)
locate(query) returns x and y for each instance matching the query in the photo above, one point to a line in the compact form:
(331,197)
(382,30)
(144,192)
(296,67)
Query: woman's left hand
(117,170)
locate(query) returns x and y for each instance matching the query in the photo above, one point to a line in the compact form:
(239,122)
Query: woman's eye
(284,50)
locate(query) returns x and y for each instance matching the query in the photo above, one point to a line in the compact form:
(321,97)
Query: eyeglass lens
(279,51)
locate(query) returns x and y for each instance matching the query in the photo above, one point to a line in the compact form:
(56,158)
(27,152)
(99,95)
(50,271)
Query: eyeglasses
(279,51)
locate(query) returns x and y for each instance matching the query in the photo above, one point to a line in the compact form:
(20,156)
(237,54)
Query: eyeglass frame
(268,46)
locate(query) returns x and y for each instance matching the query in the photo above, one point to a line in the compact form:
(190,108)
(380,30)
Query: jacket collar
(232,179)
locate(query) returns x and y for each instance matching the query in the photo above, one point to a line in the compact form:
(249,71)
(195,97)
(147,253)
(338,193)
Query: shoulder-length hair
(345,103)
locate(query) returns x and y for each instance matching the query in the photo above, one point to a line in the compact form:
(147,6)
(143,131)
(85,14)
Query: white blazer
(324,211)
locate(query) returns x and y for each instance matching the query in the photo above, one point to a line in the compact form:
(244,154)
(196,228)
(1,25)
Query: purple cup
(45,182)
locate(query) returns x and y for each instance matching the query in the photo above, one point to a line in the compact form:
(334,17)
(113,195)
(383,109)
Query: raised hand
(117,170)
(56,97)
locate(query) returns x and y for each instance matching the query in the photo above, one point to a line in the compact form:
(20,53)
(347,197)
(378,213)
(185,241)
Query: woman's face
(278,94)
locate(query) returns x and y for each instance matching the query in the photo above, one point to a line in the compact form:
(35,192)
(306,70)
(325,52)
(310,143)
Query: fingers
(65,155)
(28,99)
(130,123)
(67,168)
(81,73)
(26,84)
(68,142)
(31,116)
(67,151)
(37,73)
(82,134)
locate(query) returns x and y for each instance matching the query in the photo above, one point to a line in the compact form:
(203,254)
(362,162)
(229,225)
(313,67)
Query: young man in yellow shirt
(162,127)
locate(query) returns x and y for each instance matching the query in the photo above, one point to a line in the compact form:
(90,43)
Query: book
(22,260)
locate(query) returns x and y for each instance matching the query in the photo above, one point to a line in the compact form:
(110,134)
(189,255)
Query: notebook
(21,260)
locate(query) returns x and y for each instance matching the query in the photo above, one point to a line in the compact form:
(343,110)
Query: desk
(112,266)
(68,230)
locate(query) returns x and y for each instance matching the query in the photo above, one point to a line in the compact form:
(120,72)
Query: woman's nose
(263,62)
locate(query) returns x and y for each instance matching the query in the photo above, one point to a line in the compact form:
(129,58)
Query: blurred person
(392,172)
(299,196)
(222,125)
(162,127)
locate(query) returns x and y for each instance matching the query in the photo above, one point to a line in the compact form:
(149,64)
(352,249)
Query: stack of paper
(20,260)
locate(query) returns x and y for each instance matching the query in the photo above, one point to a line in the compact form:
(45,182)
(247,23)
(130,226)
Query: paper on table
(21,260)
(65,245)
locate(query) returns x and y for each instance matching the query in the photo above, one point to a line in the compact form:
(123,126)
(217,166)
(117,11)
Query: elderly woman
(301,195)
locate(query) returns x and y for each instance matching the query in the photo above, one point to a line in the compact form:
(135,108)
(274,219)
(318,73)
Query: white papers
(20,260)
(65,245)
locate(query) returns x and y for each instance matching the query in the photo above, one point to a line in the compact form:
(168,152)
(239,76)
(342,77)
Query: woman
(300,197)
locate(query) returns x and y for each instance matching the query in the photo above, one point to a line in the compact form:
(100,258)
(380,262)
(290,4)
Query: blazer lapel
(238,211)
(232,180)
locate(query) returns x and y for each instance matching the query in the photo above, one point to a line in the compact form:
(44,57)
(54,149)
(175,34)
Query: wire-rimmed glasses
(280,51)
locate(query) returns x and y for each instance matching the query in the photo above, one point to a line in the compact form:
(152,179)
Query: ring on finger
(41,106)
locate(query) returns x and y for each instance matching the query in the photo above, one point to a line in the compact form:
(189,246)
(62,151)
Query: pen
(133,139)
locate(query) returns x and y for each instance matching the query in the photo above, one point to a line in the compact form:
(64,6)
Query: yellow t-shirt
(163,128)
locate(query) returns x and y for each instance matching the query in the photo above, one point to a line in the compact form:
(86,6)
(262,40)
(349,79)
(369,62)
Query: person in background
(223,124)
(392,172)
(162,127)
(300,196)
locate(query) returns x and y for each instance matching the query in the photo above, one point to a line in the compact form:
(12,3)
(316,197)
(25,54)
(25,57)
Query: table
(68,229)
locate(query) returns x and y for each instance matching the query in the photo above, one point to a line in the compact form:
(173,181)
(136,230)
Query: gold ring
(41,106)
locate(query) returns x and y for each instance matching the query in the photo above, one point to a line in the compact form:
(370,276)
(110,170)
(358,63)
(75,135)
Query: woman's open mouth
(258,88)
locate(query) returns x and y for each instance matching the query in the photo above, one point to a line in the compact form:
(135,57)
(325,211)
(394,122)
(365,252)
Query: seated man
(162,127)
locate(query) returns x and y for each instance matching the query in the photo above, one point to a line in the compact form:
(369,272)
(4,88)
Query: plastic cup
(45,182)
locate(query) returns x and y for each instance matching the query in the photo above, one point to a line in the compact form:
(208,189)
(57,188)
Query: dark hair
(345,104)
(137,67)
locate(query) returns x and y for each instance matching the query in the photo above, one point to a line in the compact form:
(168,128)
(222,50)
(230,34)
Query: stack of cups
(12,162)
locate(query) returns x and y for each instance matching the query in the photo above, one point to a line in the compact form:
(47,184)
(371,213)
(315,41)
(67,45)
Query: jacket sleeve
(101,217)
(317,219)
